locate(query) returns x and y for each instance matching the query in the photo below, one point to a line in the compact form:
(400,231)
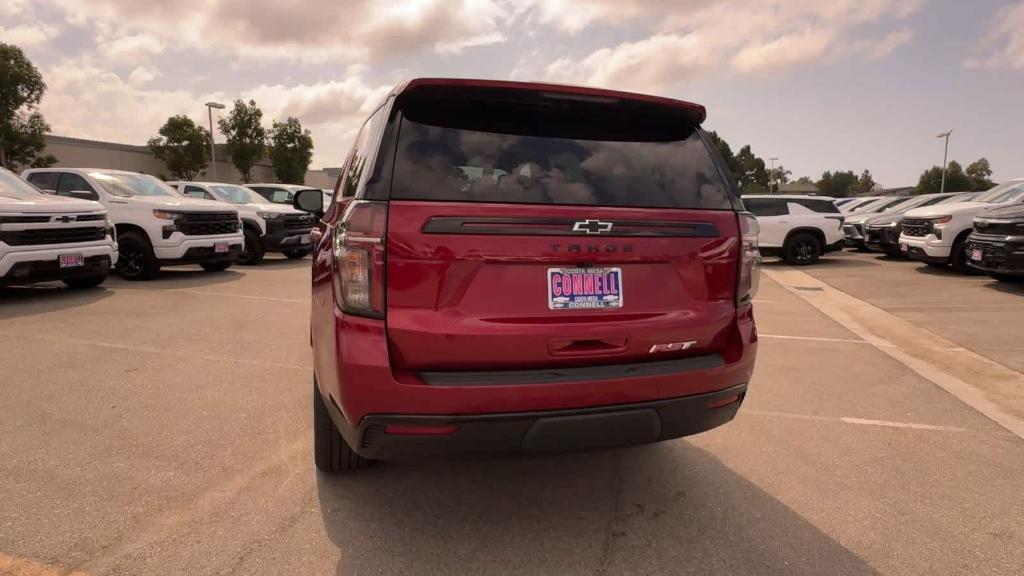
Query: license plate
(304,239)
(220,247)
(70,260)
(584,288)
(903,246)
(976,255)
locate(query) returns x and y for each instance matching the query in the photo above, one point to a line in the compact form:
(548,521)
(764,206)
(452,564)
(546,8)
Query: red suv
(515,266)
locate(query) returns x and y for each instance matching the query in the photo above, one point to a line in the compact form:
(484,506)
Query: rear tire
(252,250)
(85,282)
(330,451)
(298,254)
(215,266)
(802,249)
(135,260)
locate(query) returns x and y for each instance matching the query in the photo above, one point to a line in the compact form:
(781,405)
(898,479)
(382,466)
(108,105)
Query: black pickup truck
(996,246)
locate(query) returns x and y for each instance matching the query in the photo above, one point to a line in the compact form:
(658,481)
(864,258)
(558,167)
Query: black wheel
(252,250)
(1008,278)
(215,266)
(801,249)
(330,451)
(297,254)
(958,257)
(85,282)
(135,259)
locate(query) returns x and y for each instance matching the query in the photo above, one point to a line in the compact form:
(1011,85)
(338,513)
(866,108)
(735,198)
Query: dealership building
(80,153)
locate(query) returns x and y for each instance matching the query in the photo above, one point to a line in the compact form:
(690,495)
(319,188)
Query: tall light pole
(772,187)
(945,154)
(213,152)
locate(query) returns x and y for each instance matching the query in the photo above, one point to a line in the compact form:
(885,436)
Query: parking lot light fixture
(945,154)
(213,153)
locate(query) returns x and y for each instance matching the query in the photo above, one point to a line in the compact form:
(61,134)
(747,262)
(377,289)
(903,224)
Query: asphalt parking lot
(164,428)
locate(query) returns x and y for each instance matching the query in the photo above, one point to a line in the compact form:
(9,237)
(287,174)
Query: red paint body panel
(461,302)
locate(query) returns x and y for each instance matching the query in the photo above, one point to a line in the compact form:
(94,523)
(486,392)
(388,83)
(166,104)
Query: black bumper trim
(50,271)
(545,431)
(577,374)
(275,241)
(915,253)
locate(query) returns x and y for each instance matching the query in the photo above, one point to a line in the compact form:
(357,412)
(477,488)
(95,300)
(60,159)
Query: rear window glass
(562,156)
(766,206)
(820,206)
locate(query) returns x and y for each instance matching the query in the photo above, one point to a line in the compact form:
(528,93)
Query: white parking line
(221,294)
(857,421)
(992,389)
(146,349)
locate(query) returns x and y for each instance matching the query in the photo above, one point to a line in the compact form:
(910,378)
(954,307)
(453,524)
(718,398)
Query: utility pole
(213,151)
(945,155)
(772,182)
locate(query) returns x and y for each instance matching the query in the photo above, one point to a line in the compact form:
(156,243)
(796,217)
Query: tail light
(750,259)
(359,259)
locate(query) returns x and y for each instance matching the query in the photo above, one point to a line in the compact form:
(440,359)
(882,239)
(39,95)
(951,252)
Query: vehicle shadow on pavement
(838,262)
(661,509)
(1016,288)
(16,301)
(280,263)
(184,277)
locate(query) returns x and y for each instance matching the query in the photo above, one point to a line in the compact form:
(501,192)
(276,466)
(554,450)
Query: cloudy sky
(821,84)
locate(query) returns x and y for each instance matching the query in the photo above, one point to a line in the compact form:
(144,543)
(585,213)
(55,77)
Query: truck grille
(298,221)
(992,253)
(916,228)
(207,223)
(37,236)
(999,228)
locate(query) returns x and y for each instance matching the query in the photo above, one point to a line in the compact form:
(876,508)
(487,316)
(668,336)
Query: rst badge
(584,288)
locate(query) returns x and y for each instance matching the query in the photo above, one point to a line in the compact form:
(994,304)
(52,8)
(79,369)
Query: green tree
(838,184)
(751,171)
(980,174)
(246,137)
(865,183)
(22,127)
(804,180)
(725,151)
(291,151)
(956,181)
(183,146)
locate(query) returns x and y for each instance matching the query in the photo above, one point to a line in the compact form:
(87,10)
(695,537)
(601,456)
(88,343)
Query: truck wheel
(84,282)
(330,451)
(252,250)
(135,260)
(215,266)
(801,249)
(958,257)
(297,254)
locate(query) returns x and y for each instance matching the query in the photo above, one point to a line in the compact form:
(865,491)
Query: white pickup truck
(936,235)
(45,238)
(267,227)
(155,225)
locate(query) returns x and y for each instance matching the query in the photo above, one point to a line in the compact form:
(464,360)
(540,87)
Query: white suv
(155,225)
(44,238)
(797,228)
(279,193)
(267,227)
(936,234)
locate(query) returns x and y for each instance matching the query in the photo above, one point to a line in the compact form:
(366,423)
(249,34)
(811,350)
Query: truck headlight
(270,215)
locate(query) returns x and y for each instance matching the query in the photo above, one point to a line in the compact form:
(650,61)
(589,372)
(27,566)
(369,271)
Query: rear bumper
(387,437)
(357,380)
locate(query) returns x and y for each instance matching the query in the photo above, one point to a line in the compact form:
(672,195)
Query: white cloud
(28,35)
(142,75)
(301,30)
(1003,45)
(131,49)
(12,8)
(693,36)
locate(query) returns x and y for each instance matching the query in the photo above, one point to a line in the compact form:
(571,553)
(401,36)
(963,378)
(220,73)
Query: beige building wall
(79,153)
